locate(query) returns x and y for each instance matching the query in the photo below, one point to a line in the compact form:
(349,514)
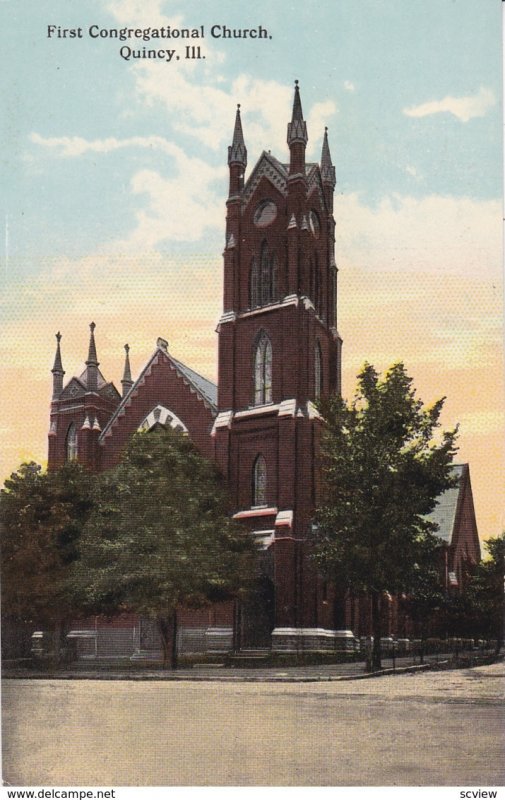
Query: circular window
(314,223)
(265,214)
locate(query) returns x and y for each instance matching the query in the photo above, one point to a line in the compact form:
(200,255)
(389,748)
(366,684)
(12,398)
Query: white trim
(251,412)
(165,417)
(324,632)
(287,408)
(264,538)
(312,411)
(223,420)
(284,518)
(291,300)
(261,310)
(258,511)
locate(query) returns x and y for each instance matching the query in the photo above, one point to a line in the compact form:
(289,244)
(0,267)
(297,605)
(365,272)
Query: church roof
(201,384)
(83,378)
(277,173)
(444,513)
(205,389)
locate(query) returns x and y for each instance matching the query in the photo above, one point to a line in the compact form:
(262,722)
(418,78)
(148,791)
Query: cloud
(180,207)
(141,12)
(173,211)
(436,234)
(75,146)
(349,86)
(482,422)
(412,171)
(464,108)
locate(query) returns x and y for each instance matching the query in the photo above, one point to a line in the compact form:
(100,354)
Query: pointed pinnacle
(58,366)
(127,375)
(92,357)
(297,105)
(297,128)
(237,152)
(327,168)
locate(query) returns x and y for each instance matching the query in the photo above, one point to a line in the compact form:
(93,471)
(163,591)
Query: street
(431,729)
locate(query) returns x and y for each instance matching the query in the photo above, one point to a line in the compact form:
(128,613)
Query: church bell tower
(279,352)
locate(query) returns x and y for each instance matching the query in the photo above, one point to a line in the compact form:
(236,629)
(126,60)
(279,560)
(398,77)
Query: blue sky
(368,62)
(113,197)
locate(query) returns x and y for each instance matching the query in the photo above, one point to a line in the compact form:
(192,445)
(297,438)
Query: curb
(214,678)
(187,677)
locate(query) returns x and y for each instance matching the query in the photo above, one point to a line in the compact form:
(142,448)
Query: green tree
(382,473)
(478,610)
(42,516)
(161,535)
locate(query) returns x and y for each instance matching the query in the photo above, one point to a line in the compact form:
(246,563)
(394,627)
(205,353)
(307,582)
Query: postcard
(214,214)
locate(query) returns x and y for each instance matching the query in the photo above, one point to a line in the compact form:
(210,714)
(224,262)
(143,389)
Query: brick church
(279,351)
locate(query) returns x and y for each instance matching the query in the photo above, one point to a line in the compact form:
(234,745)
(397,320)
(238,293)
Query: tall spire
(237,158)
(127,382)
(92,357)
(237,151)
(57,370)
(327,168)
(297,128)
(92,362)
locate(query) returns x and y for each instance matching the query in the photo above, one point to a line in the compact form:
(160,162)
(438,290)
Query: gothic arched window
(259,482)
(263,371)
(71,443)
(263,278)
(318,371)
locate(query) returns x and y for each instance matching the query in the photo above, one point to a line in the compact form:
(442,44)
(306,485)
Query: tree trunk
(376,631)
(58,636)
(174,640)
(168,632)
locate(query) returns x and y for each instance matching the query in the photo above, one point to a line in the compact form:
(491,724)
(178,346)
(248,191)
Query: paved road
(442,729)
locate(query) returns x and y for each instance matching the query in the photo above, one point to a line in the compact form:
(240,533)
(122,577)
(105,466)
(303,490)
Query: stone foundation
(309,640)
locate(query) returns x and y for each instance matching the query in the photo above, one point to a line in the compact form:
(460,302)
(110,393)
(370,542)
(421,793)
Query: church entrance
(257,616)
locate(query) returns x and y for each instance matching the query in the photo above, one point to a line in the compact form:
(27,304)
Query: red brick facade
(279,350)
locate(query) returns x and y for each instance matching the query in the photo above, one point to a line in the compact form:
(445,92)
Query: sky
(113,198)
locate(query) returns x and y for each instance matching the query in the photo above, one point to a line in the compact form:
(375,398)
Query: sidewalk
(319,672)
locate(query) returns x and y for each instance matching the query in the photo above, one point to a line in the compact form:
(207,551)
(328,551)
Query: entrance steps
(249,658)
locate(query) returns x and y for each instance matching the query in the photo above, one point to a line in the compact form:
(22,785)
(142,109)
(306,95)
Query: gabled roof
(205,389)
(266,166)
(444,513)
(277,173)
(203,386)
(78,386)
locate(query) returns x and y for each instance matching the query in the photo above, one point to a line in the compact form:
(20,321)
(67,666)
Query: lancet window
(71,443)
(259,482)
(263,370)
(263,278)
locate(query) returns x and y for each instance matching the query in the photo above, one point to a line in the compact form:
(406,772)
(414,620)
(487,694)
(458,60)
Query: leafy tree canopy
(42,515)
(479,609)
(161,534)
(382,472)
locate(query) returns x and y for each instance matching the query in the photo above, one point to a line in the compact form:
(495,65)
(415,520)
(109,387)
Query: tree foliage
(42,515)
(478,610)
(382,472)
(160,534)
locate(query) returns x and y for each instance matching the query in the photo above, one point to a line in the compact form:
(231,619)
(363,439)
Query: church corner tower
(279,352)
(79,411)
